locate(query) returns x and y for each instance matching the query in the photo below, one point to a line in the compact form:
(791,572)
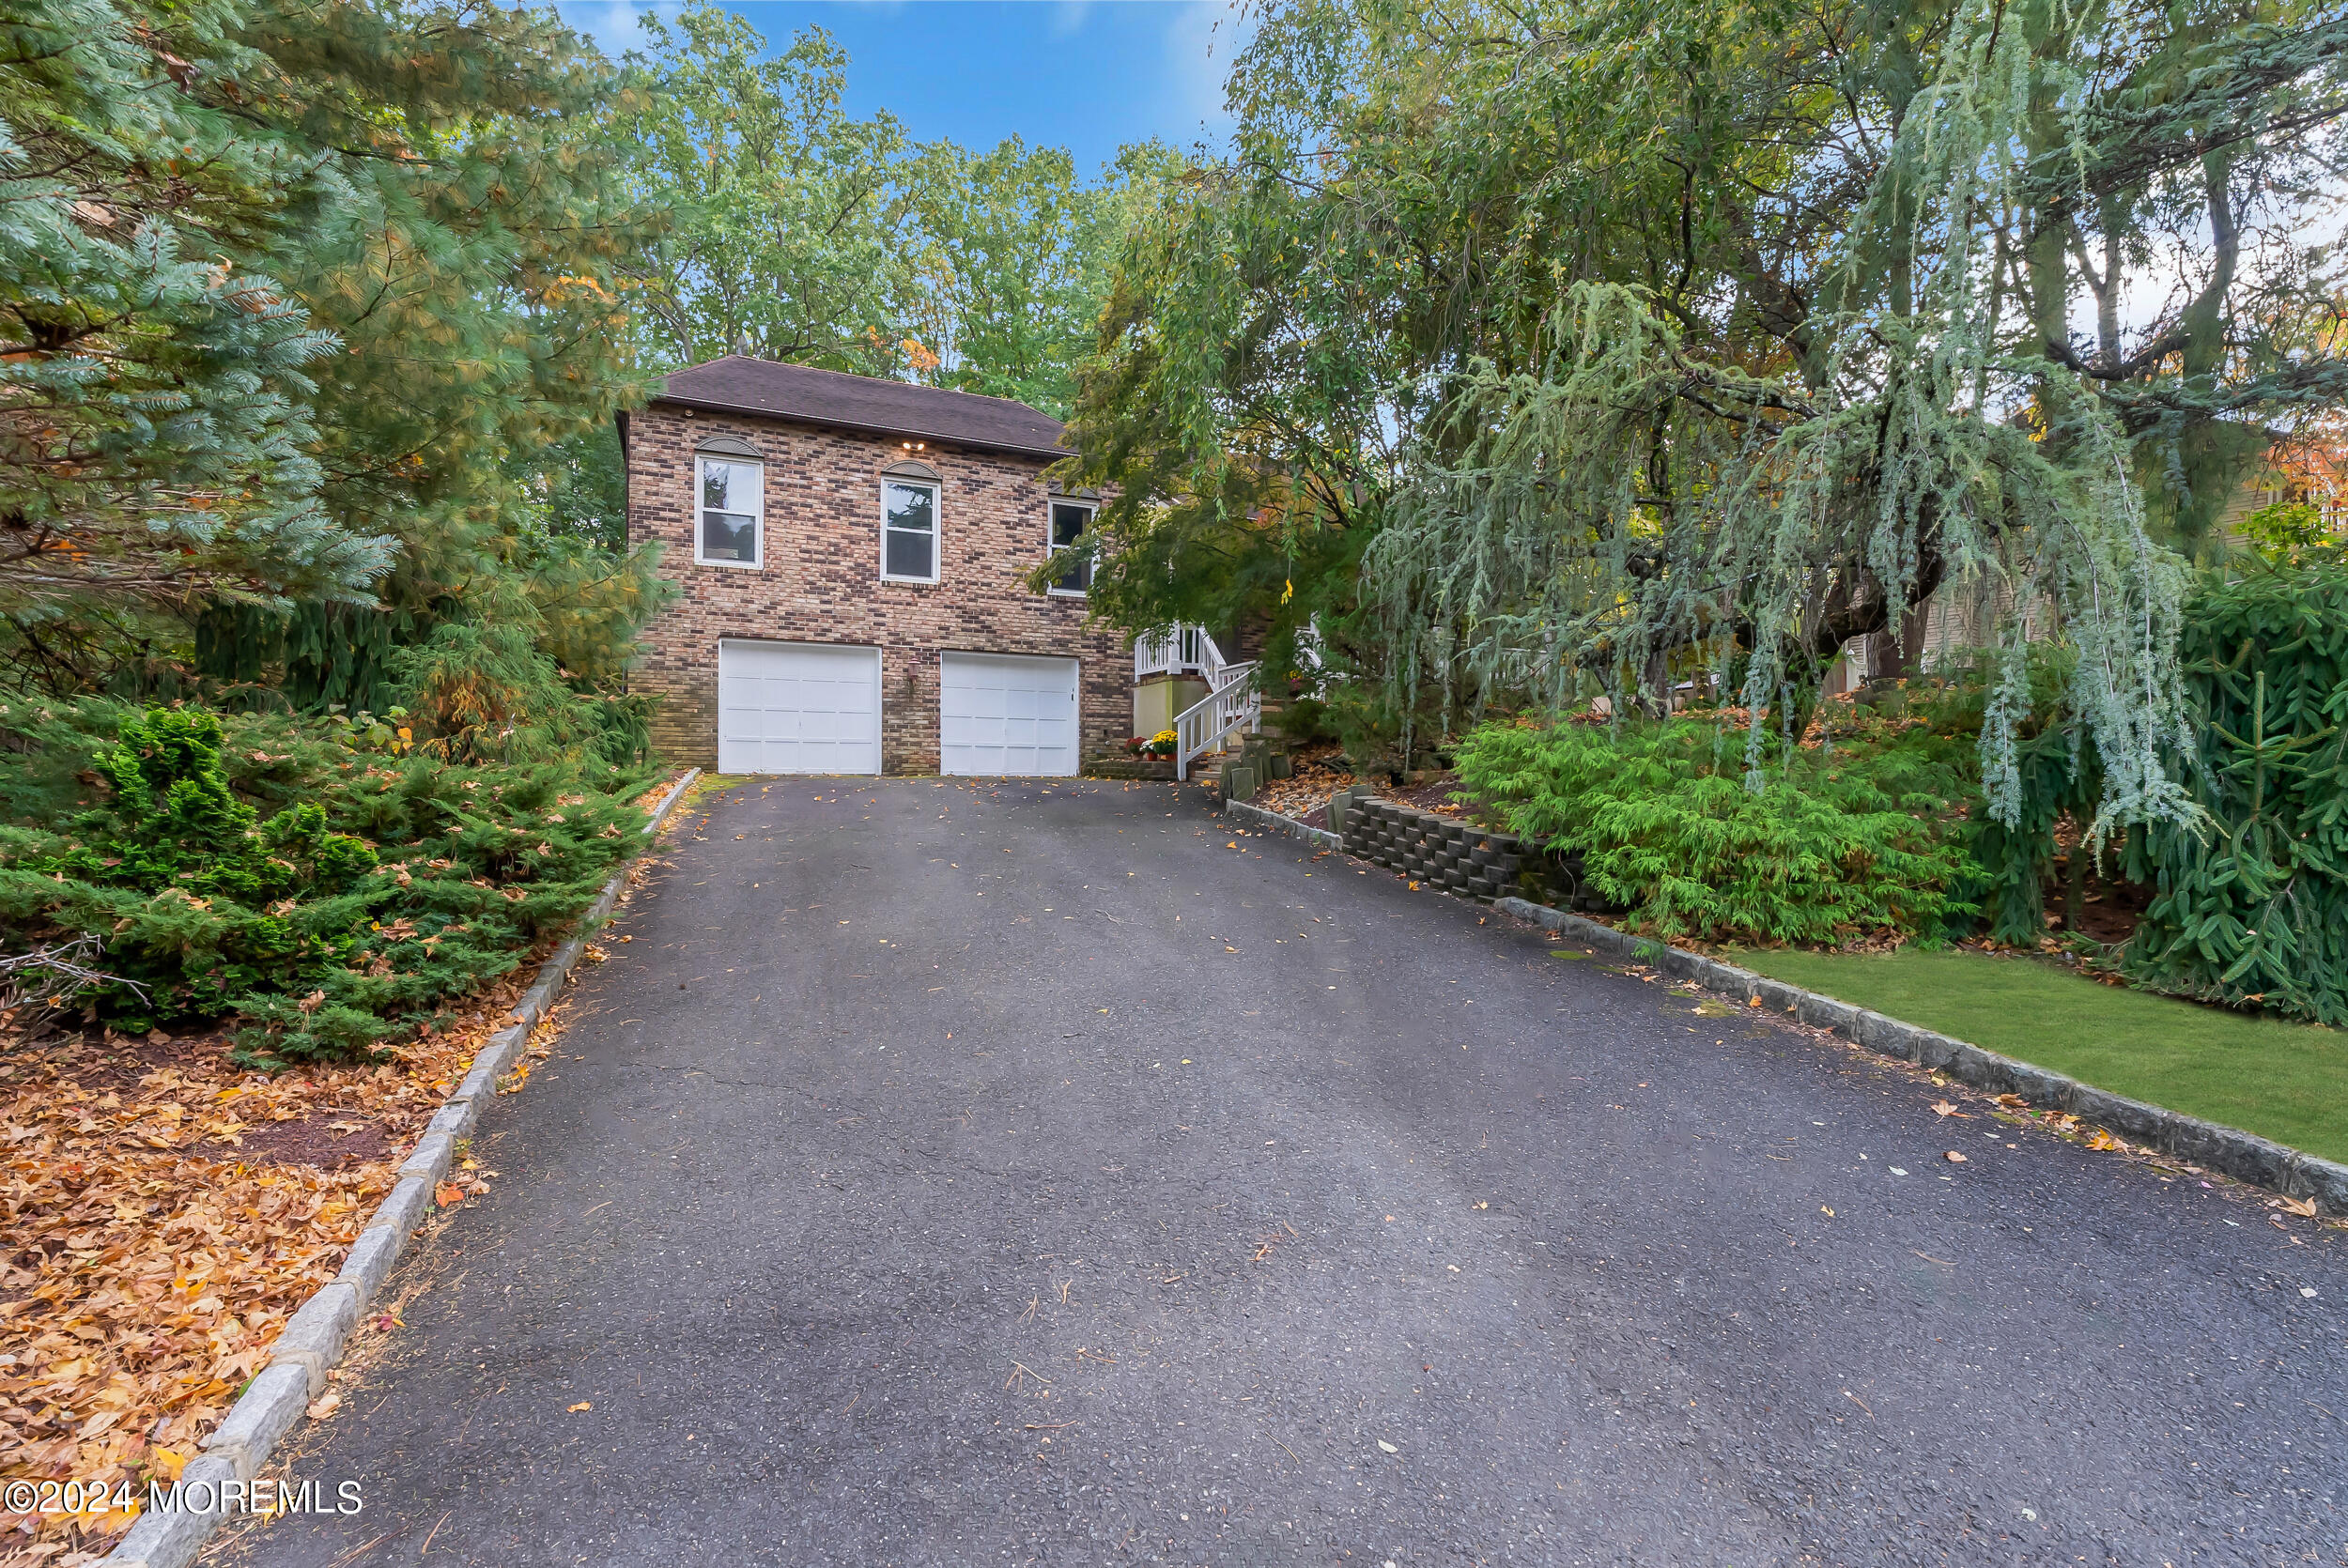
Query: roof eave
(713,406)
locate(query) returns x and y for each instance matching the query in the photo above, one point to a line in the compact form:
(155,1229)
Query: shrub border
(2244,1156)
(312,1340)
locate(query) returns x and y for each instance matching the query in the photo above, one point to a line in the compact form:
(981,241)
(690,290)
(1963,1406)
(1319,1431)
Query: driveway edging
(314,1338)
(1320,837)
(2244,1156)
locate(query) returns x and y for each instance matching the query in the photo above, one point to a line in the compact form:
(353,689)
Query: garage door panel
(1007,714)
(798,707)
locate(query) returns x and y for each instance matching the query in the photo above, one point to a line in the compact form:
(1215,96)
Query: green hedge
(2252,910)
(1835,847)
(316,880)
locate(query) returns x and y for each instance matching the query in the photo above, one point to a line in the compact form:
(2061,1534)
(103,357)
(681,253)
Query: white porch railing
(1200,728)
(1178,651)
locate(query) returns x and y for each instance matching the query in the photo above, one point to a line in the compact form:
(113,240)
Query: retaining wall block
(500,1052)
(1934,1051)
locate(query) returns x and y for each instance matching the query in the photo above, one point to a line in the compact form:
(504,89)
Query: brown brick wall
(820,579)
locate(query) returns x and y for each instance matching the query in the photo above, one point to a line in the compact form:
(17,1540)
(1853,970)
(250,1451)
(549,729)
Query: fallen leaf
(325,1404)
(1753,1001)
(1827,1212)
(1391,1449)
(2304,1207)
(1953,1158)
(1945,1109)
(448,1194)
(575,1410)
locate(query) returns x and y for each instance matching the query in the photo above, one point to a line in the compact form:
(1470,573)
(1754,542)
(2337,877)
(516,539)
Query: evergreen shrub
(1839,845)
(2253,908)
(319,880)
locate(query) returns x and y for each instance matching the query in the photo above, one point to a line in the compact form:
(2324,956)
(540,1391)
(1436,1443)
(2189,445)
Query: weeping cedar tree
(1615,341)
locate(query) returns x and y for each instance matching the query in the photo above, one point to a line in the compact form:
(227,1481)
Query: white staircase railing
(1200,728)
(1178,651)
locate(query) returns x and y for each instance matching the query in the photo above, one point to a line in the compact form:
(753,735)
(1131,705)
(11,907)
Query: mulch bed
(163,1213)
(1321,769)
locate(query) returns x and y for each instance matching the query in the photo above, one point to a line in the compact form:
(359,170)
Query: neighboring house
(851,555)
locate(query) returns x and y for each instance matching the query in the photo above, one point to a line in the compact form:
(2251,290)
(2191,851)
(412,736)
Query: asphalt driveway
(954,1173)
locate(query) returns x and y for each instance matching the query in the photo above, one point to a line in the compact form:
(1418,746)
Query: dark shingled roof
(737,384)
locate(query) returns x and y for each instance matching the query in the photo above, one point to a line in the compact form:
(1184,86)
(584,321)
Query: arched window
(730,503)
(910,495)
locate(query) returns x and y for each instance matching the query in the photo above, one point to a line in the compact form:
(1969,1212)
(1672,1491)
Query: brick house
(851,554)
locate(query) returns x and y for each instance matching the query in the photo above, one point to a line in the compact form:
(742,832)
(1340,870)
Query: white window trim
(1052,503)
(937,528)
(758,531)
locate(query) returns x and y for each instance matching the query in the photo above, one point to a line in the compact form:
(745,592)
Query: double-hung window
(908,530)
(732,511)
(1069,519)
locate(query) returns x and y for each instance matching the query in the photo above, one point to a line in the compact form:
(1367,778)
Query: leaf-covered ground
(162,1212)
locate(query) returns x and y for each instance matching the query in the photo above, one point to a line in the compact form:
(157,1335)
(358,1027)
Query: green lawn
(2288,1081)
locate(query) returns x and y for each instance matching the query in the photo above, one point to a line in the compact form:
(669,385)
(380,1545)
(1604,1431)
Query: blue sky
(1088,75)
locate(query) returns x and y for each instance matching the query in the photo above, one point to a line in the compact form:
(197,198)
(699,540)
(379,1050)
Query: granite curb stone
(456,1117)
(169,1538)
(409,1203)
(267,1409)
(2244,1156)
(435,1150)
(313,1338)
(371,1259)
(1257,816)
(274,1401)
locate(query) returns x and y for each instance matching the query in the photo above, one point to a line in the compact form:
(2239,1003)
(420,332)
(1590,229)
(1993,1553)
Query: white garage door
(798,707)
(998,715)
